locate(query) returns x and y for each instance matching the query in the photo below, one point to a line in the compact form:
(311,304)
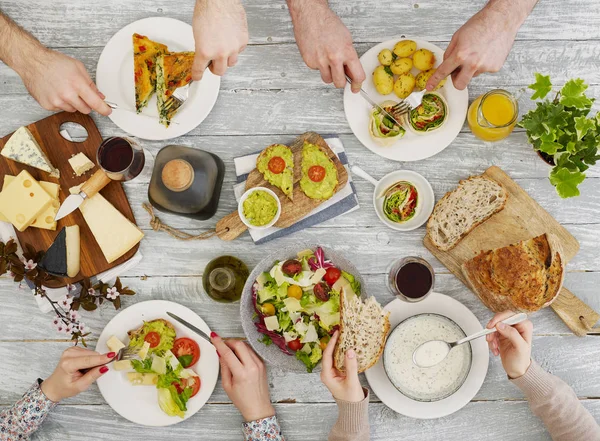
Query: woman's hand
(244,378)
(343,387)
(512,343)
(221,33)
(67,380)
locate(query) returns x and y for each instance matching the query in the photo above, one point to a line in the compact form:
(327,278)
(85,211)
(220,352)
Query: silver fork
(415,99)
(179,97)
(397,110)
(126,353)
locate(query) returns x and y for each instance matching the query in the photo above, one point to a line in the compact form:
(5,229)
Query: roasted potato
(405,48)
(385,57)
(423,59)
(401,65)
(423,77)
(384,82)
(404,85)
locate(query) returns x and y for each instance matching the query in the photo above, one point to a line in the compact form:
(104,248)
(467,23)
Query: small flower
(65,302)
(29,264)
(92,291)
(82,327)
(112,293)
(60,327)
(57,321)
(68,329)
(70,287)
(73,315)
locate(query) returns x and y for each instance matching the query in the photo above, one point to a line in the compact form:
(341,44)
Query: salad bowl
(272,354)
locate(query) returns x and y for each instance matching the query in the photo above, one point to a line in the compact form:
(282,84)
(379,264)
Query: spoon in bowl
(433,352)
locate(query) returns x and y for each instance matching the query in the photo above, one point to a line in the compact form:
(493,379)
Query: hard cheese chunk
(23,147)
(114,233)
(62,258)
(46,219)
(80,163)
(23,201)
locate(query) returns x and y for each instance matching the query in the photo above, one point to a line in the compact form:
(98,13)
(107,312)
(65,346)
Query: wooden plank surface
(271,97)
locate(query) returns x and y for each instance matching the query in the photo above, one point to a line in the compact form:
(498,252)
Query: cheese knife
(190,326)
(97,182)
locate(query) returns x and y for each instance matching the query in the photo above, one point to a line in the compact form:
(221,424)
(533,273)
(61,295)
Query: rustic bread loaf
(473,202)
(364,328)
(523,277)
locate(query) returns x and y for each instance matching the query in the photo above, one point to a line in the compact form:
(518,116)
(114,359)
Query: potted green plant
(562,131)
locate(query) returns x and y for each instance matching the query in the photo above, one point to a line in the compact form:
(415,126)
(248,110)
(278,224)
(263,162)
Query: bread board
(59,150)
(522,218)
(231,226)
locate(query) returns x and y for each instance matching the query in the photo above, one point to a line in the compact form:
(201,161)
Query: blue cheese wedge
(23,147)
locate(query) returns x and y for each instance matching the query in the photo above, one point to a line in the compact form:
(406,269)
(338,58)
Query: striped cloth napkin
(344,201)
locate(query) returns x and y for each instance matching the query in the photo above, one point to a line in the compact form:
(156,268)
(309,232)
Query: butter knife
(373,103)
(97,182)
(190,326)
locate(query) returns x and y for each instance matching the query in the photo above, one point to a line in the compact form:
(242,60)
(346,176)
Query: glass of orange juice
(493,116)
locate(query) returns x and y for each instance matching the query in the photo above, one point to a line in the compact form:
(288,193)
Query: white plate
(438,304)
(410,147)
(114,77)
(139,404)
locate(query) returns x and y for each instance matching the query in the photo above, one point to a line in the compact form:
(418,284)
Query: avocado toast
(319,173)
(276,163)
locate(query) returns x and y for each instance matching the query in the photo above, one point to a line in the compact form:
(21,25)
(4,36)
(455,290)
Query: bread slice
(135,332)
(473,202)
(284,180)
(145,52)
(364,327)
(524,276)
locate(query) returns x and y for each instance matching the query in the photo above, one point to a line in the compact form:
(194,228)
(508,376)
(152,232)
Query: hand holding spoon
(434,352)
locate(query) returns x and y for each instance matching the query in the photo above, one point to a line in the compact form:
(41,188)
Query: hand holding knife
(190,326)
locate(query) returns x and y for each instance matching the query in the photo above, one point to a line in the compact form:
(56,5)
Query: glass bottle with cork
(224,278)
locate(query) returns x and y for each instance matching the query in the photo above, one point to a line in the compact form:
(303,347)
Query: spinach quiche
(145,52)
(173,70)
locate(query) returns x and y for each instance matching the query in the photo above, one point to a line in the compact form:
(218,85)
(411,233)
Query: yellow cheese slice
(46,219)
(114,233)
(23,201)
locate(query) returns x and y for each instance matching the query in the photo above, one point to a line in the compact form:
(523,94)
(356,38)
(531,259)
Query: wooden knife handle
(230,227)
(571,309)
(97,182)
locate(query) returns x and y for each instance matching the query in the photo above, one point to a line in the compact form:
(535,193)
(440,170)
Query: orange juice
(493,116)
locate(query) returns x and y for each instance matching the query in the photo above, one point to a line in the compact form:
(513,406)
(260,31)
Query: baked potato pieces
(405,48)
(423,77)
(384,82)
(423,59)
(385,57)
(401,65)
(404,85)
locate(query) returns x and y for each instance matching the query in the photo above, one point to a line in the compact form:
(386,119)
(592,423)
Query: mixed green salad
(297,304)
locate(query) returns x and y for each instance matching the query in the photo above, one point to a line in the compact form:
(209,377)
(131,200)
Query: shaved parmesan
(272,323)
(311,335)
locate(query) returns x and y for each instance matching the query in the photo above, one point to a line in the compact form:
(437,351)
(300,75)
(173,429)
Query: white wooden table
(270,97)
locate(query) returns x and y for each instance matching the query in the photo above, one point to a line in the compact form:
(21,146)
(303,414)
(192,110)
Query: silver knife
(373,103)
(97,182)
(190,326)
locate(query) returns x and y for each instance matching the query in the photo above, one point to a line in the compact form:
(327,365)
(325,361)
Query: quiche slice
(173,70)
(145,52)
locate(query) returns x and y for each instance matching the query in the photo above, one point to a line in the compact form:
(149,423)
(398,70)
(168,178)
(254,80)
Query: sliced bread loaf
(364,328)
(473,202)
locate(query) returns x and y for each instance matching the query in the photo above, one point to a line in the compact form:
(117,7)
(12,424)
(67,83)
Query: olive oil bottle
(224,278)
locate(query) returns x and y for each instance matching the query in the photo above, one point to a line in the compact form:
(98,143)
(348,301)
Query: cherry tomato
(179,385)
(291,267)
(268,309)
(277,165)
(295,345)
(194,383)
(321,291)
(323,342)
(332,275)
(294,291)
(186,346)
(316,173)
(153,338)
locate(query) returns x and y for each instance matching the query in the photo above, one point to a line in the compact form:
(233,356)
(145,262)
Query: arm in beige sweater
(353,421)
(556,404)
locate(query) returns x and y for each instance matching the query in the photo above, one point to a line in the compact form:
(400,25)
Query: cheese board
(231,226)
(522,218)
(69,173)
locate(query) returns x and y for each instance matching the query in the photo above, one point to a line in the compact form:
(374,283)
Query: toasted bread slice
(473,202)
(135,332)
(284,180)
(524,276)
(145,52)
(173,70)
(364,327)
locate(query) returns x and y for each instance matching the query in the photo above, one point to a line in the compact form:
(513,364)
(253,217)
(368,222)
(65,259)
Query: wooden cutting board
(522,218)
(59,150)
(231,226)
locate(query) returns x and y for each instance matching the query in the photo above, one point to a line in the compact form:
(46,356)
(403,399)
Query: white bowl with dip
(243,217)
(427,407)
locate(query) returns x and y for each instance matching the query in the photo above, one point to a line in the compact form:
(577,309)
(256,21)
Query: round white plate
(438,304)
(425,201)
(410,147)
(114,77)
(139,404)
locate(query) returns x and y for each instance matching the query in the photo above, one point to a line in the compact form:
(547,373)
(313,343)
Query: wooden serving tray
(231,226)
(522,218)
(59,150)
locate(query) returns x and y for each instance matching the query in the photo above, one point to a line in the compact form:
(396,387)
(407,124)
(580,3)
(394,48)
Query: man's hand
(221,33)
(482,44)
(325,43)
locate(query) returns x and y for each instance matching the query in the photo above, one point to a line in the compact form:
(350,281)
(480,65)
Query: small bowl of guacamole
(259,208)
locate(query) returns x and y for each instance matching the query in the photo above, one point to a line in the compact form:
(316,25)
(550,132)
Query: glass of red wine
(122,159)
(411,279)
